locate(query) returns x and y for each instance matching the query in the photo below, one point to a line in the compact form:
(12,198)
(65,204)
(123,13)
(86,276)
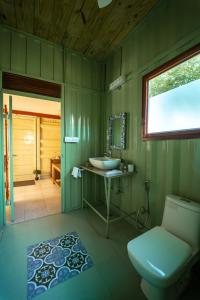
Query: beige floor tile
(30,191)
(45,182)
(19,188)
(18,193)
(35,213)
(29,205)
(52,198)
(50,193)
(35,201)
(30,187)
(19,198)
(50,189)
(55,205)
(19,220)
(19,215)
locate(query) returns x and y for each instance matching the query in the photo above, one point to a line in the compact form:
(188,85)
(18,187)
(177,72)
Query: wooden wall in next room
(24,147)
(34,139)
(49,143)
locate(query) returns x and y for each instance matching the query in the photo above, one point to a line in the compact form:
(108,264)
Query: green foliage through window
(177,76)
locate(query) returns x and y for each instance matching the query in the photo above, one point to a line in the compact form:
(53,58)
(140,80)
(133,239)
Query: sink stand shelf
(107,184)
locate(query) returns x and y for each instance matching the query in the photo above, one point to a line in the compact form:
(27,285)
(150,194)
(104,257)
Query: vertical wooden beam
(6,153)
(2,187)
(63,152)
(12,212)
(38,143)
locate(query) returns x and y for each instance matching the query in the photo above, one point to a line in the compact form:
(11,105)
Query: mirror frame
(123,118)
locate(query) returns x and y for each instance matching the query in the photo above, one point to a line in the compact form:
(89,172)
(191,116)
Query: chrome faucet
(108,153)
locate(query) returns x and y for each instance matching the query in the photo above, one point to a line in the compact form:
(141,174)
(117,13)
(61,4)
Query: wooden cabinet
(53,161)
(55,171)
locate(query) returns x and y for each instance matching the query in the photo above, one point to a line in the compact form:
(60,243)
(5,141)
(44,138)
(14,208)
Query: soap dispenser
(122,165)
(125,167)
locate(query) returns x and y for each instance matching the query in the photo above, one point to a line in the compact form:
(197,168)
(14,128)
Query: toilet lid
(159,256)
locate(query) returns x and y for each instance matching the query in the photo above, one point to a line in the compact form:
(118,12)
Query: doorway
(32,157)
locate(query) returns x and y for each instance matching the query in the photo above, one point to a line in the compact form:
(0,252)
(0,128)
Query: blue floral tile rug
(54,261)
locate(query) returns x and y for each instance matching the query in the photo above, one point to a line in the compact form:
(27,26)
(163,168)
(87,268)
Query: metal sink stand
(107,185)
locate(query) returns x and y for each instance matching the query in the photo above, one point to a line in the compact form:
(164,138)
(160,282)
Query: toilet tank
(181,217)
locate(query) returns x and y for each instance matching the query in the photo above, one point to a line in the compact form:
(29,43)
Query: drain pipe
(143,217)
(1,235)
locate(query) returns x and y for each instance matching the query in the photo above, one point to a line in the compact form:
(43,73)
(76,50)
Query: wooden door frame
(43,96)
(2,187)
(16,82)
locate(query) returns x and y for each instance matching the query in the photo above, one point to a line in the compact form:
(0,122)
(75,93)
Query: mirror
(116,132)
(116,138)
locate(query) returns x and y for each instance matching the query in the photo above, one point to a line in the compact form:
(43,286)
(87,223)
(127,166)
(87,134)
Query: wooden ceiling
(77,24)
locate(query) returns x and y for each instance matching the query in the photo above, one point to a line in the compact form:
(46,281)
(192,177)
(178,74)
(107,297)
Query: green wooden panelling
(18,52)
(5,38)
(86,69)
(83,81)
(33,56)
(83,72)
(47,57)
(96,75)
(171,166)
(29,55)
(58,64)
(82,120)
(75,69)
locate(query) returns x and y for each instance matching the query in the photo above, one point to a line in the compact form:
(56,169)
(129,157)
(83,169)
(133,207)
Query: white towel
(114,172)
(76,172)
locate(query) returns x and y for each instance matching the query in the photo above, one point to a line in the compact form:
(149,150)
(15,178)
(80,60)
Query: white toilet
(164,255)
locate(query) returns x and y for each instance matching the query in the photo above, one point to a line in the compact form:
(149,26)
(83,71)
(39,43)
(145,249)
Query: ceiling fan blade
(103,3)
(83,18)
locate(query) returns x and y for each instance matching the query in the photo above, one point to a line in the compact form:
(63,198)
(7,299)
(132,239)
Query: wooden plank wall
(24,148)
(172,166)
(49,143)
(24,145)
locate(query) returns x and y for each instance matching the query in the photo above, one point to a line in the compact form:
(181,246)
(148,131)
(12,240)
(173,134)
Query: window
(171,98)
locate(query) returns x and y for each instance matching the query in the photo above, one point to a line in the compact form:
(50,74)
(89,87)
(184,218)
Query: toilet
(164,255)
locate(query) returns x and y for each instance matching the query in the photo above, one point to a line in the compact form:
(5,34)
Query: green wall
(82,82)
(171,166)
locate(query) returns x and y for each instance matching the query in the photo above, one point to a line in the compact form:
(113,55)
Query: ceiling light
(103,3)
(117,83)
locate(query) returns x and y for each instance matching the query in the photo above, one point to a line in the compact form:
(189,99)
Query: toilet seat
(158,256)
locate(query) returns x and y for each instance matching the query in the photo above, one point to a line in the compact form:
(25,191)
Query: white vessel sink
(104,163)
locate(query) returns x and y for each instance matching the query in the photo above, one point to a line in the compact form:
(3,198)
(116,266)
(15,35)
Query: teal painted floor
(111,278)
